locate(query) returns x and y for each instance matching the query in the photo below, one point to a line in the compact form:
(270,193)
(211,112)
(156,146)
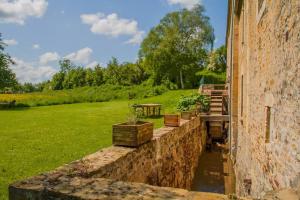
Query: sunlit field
(38,139)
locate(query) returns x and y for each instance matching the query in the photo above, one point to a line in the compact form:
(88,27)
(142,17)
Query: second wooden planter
(132,135)
(172,120)
(187,115)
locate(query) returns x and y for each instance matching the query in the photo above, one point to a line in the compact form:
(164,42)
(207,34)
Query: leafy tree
(57,81)
(113,74)
(7,76)
(45,85)
(178,46)
(66,65)
(74,78)
(99,76)
(217,60)
(28,87)
(89,77)
(211,77)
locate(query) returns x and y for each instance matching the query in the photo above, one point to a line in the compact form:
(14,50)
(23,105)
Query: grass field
(38,139)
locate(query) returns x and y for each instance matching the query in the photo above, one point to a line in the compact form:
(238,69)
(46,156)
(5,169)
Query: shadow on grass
(15,108)
(153,117)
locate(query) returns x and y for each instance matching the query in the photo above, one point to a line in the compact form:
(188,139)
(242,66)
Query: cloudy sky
(40,32)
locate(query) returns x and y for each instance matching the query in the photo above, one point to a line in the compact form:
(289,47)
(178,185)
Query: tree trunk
(181,79)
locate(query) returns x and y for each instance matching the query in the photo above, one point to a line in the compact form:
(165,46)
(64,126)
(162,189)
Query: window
(267,123)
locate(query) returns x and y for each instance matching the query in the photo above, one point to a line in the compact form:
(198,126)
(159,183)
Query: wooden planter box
(132,135)
(187,115)
(172,120)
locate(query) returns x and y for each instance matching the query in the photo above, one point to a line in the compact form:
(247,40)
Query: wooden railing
(207,88)
(225,104)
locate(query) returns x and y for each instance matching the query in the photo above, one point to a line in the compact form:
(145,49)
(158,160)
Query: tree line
(178,52)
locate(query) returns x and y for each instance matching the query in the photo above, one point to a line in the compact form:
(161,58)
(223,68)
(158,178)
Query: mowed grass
(39,139)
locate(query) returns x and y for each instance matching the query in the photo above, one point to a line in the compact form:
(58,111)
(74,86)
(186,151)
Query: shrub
(84,94)
(186,103)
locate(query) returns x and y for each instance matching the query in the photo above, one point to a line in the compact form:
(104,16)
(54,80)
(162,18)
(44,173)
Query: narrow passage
(209,176)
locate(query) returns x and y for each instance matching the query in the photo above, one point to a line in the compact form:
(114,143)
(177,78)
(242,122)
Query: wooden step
(216,104)
(216,109)
(219,101)
(216,97)
(216,92)
(215,113)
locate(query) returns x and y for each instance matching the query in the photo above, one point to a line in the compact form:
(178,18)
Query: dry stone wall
(169,159)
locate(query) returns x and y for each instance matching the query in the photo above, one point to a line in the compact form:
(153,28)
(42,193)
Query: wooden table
(150,109)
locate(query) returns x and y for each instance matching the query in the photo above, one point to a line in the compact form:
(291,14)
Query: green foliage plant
(134,115)
(203,100)
(187,103)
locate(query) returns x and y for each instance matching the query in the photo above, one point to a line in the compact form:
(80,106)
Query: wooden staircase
(216,126)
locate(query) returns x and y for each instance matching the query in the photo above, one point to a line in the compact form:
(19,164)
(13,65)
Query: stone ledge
(67,188)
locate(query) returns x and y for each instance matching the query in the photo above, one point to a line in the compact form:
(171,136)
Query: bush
(210,77)
(186,103)
(84,94)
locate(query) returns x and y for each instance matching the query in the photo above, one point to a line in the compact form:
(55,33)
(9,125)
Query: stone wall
(78,188)
(169,159)
(267,66)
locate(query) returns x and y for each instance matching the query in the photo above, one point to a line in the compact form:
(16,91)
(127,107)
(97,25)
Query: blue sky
(86,31)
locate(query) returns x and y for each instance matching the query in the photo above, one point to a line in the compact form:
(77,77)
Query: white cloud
(48,57)
(32,72)
(189,4)
(18,10)
(92,65)
(36,46)
(10,42)
(112,25)
(82,56)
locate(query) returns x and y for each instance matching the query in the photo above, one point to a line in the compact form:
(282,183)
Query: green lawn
(38,139)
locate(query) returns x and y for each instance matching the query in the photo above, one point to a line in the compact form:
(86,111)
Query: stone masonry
(169,160)
(263,42)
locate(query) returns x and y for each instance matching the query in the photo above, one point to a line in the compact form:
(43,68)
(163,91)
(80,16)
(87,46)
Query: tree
(28,87)
(7,76)
(217,60)
(215,71)
(99,76)
(89,77)
(74,78)
(57,81)
(178,46)
(66,65)
(113,74)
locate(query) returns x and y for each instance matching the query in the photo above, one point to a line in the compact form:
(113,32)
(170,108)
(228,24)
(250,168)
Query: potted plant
(134,132)
(186,106)
(202,103)
(172,120)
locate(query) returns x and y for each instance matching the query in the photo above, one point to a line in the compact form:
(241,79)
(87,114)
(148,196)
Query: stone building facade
(263,78)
